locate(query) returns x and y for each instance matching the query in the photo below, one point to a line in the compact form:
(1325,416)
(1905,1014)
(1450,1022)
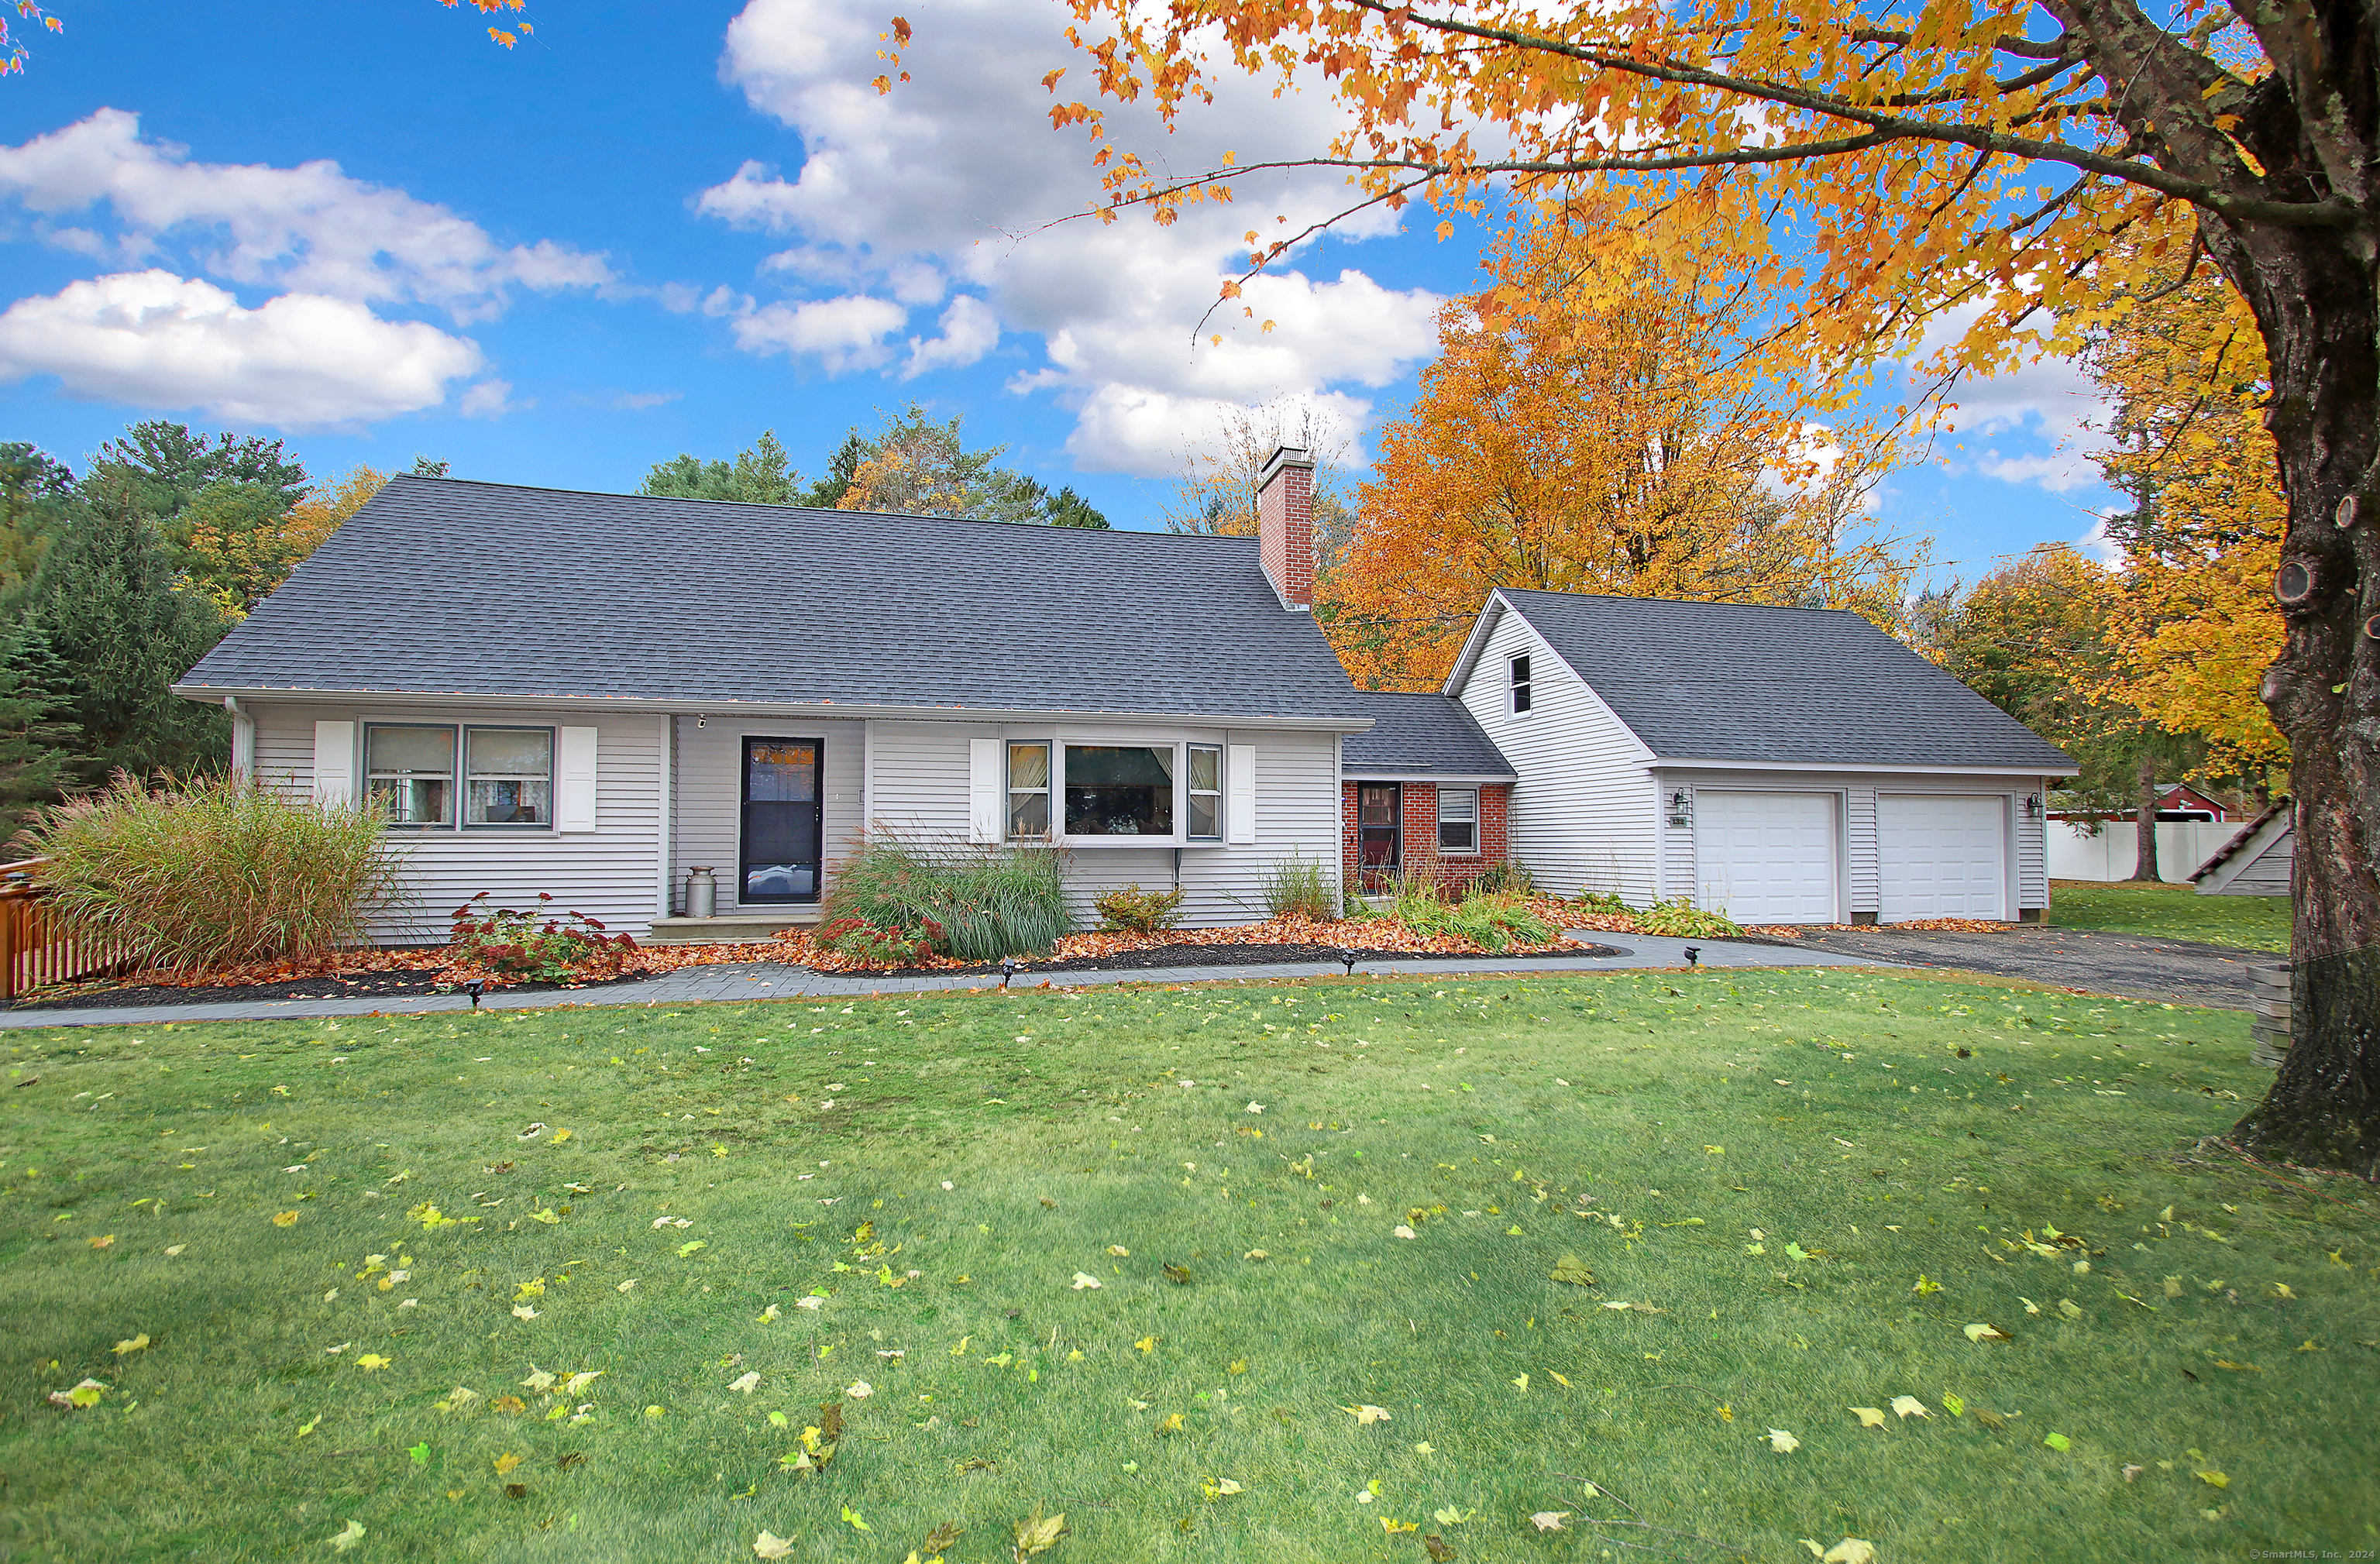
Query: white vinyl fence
(2183,845)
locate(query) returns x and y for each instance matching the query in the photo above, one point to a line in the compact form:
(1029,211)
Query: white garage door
(1941,855)
(1765,857)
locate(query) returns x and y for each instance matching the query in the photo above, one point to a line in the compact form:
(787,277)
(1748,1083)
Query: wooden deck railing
(34,950)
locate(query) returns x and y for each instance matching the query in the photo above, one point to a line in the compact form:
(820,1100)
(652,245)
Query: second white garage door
(1765,857)
(1941,855)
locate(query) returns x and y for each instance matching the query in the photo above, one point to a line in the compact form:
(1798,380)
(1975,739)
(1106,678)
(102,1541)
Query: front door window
(781,826)
(1376,821)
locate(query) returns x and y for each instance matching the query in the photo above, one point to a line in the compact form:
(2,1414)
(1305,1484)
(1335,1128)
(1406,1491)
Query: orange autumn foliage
(1580,433)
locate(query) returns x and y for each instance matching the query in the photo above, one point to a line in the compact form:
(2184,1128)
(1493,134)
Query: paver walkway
(764,980)
(2137,967)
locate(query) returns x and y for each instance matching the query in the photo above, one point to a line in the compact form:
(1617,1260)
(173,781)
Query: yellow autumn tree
(238,551)
(2194,625)
(1577,437)
(1987,170)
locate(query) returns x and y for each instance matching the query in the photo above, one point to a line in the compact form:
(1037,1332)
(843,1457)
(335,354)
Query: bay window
(1119,789)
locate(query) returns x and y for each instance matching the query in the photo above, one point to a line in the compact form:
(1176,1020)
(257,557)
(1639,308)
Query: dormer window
(1520,683)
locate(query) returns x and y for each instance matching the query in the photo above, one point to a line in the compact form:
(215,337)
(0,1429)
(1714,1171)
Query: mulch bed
(1156,958)
(399,984)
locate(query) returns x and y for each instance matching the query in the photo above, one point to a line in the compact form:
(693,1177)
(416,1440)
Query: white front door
(1941,854)
(1765,857)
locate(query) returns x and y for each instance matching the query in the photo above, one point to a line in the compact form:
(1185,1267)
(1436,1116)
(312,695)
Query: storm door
(1377,819)
(782,825)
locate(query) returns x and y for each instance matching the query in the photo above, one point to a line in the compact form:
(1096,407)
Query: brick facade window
(1418,833)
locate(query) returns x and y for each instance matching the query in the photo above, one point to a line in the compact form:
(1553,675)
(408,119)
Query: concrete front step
(729,929)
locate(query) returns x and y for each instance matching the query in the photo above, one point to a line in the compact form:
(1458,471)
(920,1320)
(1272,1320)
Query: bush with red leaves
(535,947)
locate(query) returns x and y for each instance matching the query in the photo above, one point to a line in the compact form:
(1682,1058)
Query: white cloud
(951,177)
(1132,429)
(2050,402)
(492,399)
(841,333)
(310,229)
(637,401)
(301,360)
(969,331)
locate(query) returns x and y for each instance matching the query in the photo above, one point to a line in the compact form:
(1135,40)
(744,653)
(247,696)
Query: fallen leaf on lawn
(82,1398)
(1953,1405)
(625,1286)
(290,1220)
(176,1249)
(2214,1479)
(132,1344)
(769,1545)
(1400,1230)
(1549,1520)
(2132,1471)
(522,1311)
(1910,1406)
(1392,1525)
(747,1383)
(1148,1343)
(347,1538)
(1870,1417)
(1083,1279)
(538,1379)
(859,1390)
(103,1241)
(2068,1307)
(812,1302)
(1038,1534)
(1435,1546)
(1452,1516)
(371,1361)
(2238,1367)
(1986,1333)
(1850,1550)
(505,1463)
(1522,1383)
(1572,1269)
(1119,1251)
(1221,1486)
(1171,1424)
(2058,1442)
(694,1248)
(1782,1442)
(579,1381)
(2030,1307)
(1368,1414)
(513,1404)
(1174,1274)
(1989,1418)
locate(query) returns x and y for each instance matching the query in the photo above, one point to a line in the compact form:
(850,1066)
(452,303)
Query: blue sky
(663,228)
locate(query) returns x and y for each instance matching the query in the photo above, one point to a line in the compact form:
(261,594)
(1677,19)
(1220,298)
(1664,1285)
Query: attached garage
(1767,857)
(1941,854)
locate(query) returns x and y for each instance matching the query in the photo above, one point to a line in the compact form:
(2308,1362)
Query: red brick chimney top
(1285,525)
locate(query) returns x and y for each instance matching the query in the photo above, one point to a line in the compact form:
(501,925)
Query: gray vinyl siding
(919,784)
(709,792)
(611,874)
(1864,880)
(2032,849)
(1584,813)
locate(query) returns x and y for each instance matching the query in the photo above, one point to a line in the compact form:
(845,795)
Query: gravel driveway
(2177,971)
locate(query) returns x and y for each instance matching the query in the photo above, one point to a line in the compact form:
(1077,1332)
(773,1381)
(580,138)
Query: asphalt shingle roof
(1787,685)
(1419,732)
(444,586)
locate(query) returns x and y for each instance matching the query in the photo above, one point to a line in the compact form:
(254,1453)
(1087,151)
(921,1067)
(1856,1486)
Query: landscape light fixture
(1693,955)
(475,987)
(1007,969)
(1349,958)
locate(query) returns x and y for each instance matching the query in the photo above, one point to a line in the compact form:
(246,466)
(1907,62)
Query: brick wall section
(1419,834)
(1285,527)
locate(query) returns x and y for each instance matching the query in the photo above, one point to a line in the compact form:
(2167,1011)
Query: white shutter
(334,763)
(1240,778)
(574,779)
(987,790)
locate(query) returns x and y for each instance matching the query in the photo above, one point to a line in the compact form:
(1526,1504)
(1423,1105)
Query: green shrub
(988,902)
(1505,877)
(1298,889)
(214,870)
(1139,912)
(537,947)
(1493,920)
(1605,902)
(1681,919)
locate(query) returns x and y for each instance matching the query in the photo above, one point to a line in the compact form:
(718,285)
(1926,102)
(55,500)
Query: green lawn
(1800,1189)
(2173,912)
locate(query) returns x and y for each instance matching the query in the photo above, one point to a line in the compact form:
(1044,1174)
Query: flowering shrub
(535,947)
(864,941)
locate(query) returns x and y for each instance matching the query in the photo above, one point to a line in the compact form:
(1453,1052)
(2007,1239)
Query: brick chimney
(1285,525)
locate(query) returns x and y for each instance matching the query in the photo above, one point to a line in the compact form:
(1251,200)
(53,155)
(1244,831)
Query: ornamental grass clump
(1493,920)
(986,902)
(1299,890)
(207,872)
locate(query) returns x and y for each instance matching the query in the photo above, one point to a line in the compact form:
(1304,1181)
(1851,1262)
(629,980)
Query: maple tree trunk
(2316,296)
(2144,814)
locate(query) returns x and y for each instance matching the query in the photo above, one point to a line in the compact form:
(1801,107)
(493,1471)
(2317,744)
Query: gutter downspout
(668,809)
(243,738)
